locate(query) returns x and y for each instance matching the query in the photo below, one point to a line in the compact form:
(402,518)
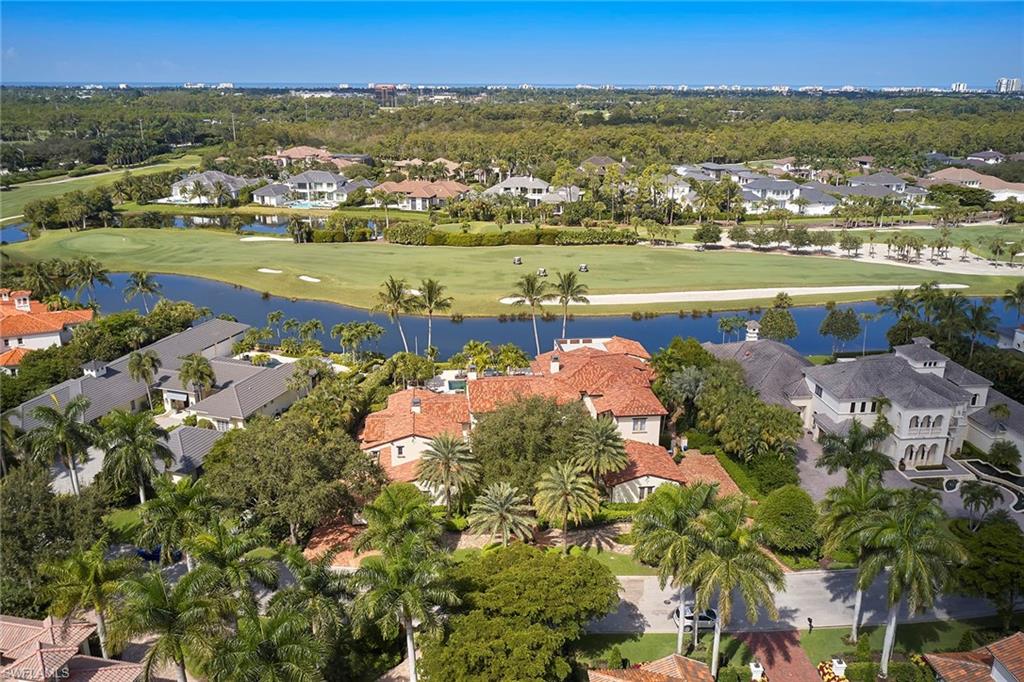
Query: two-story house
(317,185)
(520,186)
(27,325)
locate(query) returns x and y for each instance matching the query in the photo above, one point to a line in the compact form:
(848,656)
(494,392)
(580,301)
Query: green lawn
(123,523)
(253,209)
(911,638)
(620,564)
(12,201)
(640,648)
(476,277)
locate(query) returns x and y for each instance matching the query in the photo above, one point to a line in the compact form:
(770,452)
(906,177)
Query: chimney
(21,301)
(5,295)
(417,405)
(753,330)
(94,368)
(555,364)
(471,373)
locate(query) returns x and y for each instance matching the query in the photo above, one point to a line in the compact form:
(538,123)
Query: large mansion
(611,377)
(27,325)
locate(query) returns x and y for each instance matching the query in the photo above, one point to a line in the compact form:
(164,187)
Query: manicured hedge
(734,674)
(423,235)
(899,671)
(327,235)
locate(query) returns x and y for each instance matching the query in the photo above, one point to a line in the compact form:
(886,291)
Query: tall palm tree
(665,537)
(844,511)
(501,510)
(178,618)
(10,445)
(180,510)
(566,492)
(85,273)
(317,591)
(86,581)
(431,299)
(732,563)
(197,372)
(62,435)
(143,366)
(130,441)
(141,284)
(901,303)
(599,448)
(979,322)
(979,497)
(912,543)
(855,451)
(531,290)
(569,290)
(393,299)
(274,318)
(449,465)
(227,566)
(278,646)
(401,509)
(1014,298)
(404,586)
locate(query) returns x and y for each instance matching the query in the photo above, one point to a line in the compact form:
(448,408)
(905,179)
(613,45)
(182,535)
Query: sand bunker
(264,239)
(307,278)
(269,271)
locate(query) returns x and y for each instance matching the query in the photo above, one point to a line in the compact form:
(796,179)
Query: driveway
(824,596)
(814,480)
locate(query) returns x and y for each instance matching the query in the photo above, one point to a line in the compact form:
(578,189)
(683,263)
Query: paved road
(825,596)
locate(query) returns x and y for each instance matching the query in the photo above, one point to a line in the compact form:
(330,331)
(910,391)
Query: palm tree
(857,450)
(227,566)
(10,444)
(394,299)
(178,619)
(844,510)
(531,290)
(599,448)
(449,465)
(180,510)
(501,510)
(663,528)
(732,563)
(317,591)
(141,284)
(1014,298)
(979,322)
(278,646)
(432,299)
(912,543)
(62,435)
(143,366)
(404,586)
(130,441)
(85,273)
(400,510)
(85,581)
(197,190)
(569,290)
(274,318)
(900,303)
(565,491)
(197,372)
(979,497)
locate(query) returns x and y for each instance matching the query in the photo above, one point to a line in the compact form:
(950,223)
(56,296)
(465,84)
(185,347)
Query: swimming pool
(302,203)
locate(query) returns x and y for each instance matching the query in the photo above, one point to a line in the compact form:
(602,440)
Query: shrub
(773,472)
(415,234)
(787,517)
(522,237)
(734,674)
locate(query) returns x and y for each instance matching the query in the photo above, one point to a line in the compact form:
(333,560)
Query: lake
(11,234)
(250,307)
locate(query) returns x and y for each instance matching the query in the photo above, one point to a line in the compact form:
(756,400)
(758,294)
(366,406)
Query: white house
(274,194)
(265,392)
(27,325)
(652,466)
(520,185)
(199,188)
(990,157)
(317,185)
(1011,337)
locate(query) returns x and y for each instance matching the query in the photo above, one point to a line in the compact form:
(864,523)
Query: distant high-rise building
(1008,85)
(958,87)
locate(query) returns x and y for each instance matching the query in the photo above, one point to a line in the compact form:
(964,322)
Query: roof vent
(417,405)
(555,364)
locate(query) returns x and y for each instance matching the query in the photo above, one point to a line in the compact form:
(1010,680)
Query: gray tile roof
(991,424)
(316,176)
(353,185)
(816,196)
(228,372)
(189,446)
(272,190)
(771,368)
(558,195)
(771,184)
(211,177)
(888,376)
(516,183)
(919,352)
(193,340)
(877,179)
(961,376)
(243,399)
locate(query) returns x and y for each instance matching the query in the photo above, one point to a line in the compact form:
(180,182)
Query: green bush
(523,237)
(787,517)
(772,472)
(899,671)
(734,674)
(738,473)
(415,234)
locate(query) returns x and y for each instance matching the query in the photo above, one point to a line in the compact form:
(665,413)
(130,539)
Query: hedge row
(899,671)
(423,235)
(325,236)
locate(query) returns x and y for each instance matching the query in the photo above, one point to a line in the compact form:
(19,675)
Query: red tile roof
(406,472)
(38,319)
(672,668)
(425,189)
(439,413)
(618,344)
(489,393)
(13,357)
(647,460)
(19,636)
(337,533)
(976,666)
(48,649)
(699,468)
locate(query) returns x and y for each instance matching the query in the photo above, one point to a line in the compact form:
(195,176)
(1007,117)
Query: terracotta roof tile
(699,468)
(647,460)
(439,413)
(976,666)
(337,533)
(618,344)
(13,357)
(38,319)
(490,393)
(671,668)
(442,189)
(1010,652)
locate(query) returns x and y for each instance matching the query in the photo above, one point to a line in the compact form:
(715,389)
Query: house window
(853,407)
(974,399)
(817,390)
(400,450)
(874,406)
(639,424)
(863,407)
(646,490)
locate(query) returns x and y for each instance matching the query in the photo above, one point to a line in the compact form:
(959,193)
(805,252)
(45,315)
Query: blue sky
(831,43)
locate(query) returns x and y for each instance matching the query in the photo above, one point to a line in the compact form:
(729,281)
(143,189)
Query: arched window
(909,453)
(926,423)
(938,421)
(921,451)
(914,422)
(932,451)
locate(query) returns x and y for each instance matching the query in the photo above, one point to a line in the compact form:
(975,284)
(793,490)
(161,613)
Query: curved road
(825,596)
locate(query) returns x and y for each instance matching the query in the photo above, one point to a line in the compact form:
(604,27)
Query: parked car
(154,554)
(705,619)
